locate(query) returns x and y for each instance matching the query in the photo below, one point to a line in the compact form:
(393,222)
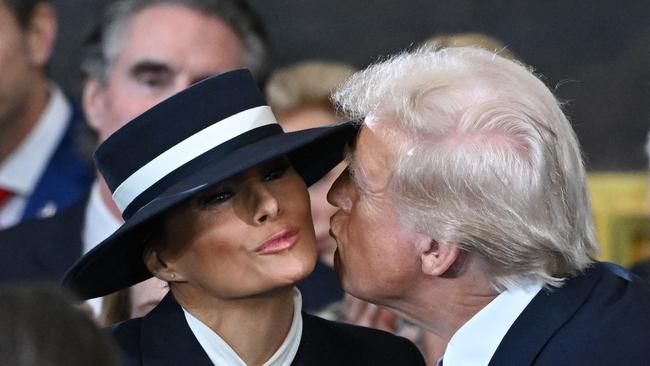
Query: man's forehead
(373,156)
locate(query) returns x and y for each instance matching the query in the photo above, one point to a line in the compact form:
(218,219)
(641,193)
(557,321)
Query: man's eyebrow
(149,66)
(354,171)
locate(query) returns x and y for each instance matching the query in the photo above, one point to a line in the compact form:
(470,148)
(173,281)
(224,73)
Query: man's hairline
(110,55)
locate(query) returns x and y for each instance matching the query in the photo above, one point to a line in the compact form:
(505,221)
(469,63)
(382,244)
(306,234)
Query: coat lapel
(543,317)
(60,241)
(168,340)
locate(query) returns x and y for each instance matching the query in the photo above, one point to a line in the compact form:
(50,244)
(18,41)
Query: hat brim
(117,262)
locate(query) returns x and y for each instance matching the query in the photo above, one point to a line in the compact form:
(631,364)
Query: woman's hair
(109,40)
(40,326)
(116,307)
(491,163)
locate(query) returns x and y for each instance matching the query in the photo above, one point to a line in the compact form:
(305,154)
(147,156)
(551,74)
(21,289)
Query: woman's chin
(298,270)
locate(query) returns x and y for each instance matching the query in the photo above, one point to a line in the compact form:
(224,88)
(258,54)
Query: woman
(216,204)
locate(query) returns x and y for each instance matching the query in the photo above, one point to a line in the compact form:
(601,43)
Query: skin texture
(209,251)
(23,85)
(310,116)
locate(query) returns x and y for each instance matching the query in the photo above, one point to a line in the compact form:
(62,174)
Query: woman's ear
(438,258)
(159,267)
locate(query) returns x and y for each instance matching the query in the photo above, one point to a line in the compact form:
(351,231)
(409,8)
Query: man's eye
(275,173)
(153,79)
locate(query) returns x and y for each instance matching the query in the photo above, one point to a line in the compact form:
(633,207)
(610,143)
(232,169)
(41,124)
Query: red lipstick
(283,240)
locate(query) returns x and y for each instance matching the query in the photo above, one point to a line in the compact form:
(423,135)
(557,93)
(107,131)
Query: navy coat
(163,337)
(598,318)
(42,249)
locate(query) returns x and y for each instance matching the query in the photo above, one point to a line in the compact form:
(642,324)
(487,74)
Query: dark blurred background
(594,54)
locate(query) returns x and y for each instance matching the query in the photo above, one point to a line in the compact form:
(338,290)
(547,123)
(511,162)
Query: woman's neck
(254,327)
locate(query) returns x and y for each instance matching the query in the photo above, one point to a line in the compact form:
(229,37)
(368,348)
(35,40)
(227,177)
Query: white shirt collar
(99,224)
(220,353)
(99,221)
(476,341)
(22,169)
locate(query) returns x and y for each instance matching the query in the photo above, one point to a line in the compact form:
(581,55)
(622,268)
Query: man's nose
(339,194)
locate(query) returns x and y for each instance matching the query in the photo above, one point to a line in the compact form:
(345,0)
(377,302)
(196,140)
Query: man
(149,50)
(41,167)
(464,209)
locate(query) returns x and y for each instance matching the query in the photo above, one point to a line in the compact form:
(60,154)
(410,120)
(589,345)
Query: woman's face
(243,237)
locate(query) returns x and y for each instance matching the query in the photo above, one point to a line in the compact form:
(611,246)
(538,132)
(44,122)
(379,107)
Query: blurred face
(18,69)
(165,49)
(375,259)
(244,237)
(311,116)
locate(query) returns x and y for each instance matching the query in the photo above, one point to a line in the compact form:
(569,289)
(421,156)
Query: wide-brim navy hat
(201,136)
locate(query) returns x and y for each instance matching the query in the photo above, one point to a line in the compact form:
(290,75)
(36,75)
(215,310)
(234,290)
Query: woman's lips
(283,240)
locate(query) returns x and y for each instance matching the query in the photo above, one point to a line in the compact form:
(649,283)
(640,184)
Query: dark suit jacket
(598,318)
(163,337)
(67,175)
(42,249)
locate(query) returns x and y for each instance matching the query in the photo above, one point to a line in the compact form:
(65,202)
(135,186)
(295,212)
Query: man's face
(376,258)
(165,49)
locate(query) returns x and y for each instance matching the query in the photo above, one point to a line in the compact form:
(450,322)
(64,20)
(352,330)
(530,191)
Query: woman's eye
(275,173)
(215,198)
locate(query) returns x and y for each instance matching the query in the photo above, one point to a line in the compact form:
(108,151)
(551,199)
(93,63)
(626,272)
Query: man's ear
(94,103)
(159,267)
(437,258)
(41,33)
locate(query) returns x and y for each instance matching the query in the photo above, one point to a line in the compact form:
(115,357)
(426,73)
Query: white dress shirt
(99,224)
(476,341)
(220,353)
(21,171)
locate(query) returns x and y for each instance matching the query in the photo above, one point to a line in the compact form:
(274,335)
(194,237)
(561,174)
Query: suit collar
(545,314)
(167,339)
(99,221)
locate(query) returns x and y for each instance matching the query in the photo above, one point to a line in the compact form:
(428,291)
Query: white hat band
(189,149)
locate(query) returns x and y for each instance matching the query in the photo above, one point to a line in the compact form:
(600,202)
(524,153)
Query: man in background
(41,168)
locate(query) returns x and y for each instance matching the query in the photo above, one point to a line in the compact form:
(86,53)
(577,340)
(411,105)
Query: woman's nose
(266,204)
(338,195)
